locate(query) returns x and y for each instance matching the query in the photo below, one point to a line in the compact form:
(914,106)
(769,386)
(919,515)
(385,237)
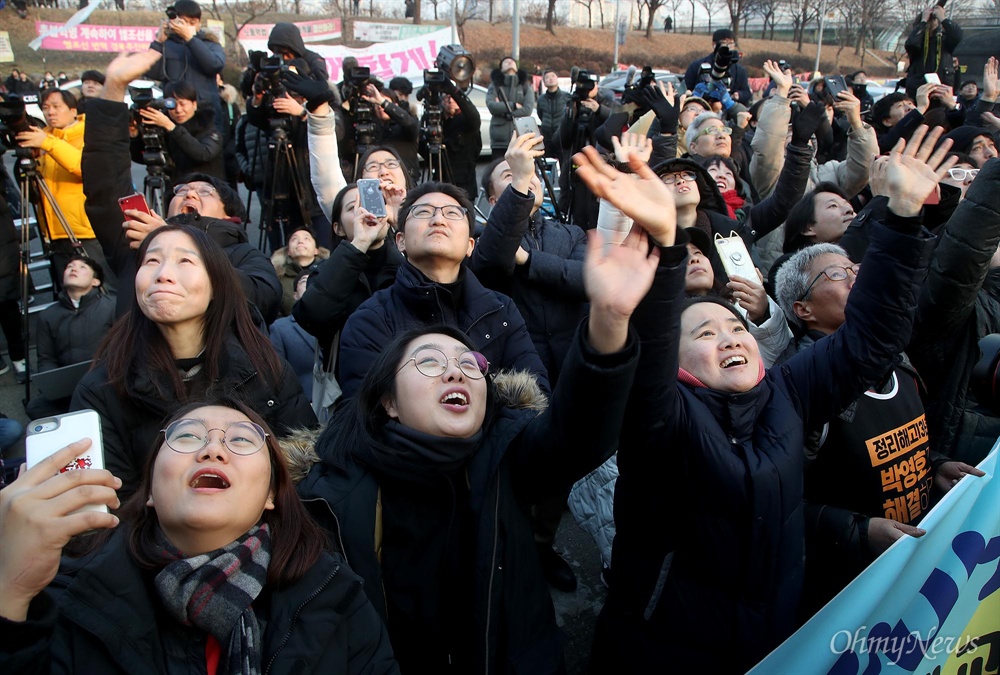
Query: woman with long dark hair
(431,468)
(190,333)
(212,565)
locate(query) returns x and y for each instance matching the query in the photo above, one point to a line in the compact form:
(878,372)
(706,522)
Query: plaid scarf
(213,592)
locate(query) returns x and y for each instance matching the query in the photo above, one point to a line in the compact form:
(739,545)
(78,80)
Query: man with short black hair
(434,286)
(551,105)
(91,86)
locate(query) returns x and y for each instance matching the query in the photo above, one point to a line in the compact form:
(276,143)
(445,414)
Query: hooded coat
(517,90)
(730,571)
(287,36)
(523,456)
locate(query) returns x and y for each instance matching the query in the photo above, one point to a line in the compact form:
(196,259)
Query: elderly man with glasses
(872,472)
(434,286)
(202,201)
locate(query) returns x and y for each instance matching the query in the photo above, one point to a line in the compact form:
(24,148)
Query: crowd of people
(750,343)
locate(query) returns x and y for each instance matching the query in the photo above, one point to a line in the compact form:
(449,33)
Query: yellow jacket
(59,165)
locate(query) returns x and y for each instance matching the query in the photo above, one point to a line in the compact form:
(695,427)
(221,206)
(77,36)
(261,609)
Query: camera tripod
(154,186)
(282,181)
(26,169)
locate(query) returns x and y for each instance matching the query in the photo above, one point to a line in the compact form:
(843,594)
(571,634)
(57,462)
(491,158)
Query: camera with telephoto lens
(723,59)
(356,81)
(171,13)
(153,141)
(432,121)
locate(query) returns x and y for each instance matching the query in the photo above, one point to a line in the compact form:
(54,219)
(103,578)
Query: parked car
(616,81)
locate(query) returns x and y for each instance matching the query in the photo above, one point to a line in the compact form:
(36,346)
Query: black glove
(667,114)
(805,123)
(315,92)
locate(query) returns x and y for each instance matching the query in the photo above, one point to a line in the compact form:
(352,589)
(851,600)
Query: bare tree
(802,13)
(768,11)
(712,7)
(239,15)
(589,4)
(550,16)
(738,11)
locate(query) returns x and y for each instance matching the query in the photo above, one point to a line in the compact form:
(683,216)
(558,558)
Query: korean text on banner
(926,606)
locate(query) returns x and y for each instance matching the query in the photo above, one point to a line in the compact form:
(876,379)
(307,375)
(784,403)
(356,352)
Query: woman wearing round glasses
(189,332)
(432,466)
(213,565)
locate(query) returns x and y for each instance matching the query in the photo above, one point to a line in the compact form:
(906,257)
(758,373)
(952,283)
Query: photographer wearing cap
(189,53)
(722,65)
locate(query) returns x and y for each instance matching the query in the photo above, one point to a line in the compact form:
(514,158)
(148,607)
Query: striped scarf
(213,592)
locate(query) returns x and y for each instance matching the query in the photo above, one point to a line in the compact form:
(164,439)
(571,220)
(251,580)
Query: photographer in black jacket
(586,110)
(458,136)
(191,137)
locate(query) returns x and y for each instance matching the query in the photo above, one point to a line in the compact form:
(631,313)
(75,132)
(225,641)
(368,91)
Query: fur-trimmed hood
(516,389)
(285,266)
(498,78)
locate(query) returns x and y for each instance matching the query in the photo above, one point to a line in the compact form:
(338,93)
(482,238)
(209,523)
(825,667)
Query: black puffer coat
(130,425)
(194,146)
(68,334)
(959,305)
(549,287)
(524,456)
(108,622)
(715,556)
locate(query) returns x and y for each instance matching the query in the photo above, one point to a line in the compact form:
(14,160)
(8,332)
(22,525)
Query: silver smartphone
(371,196)
(526,125)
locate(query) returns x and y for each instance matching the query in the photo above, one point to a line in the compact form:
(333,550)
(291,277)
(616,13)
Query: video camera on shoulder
(13,119)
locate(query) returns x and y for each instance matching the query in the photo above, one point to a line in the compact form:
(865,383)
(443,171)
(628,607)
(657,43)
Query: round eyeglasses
(188,436)
(833,273)
(433,362)
(671,178)
(427,211)
(202,190)
(373,167)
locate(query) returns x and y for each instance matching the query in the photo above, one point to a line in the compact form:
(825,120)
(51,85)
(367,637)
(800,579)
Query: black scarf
(213,592)
(408,454)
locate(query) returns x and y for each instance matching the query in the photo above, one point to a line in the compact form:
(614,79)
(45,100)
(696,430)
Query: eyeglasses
(833,273)
(188,436)
(183,189)
(671,178)
(427,211)
(962,174)
(372,167)
(714,131)
(433,362)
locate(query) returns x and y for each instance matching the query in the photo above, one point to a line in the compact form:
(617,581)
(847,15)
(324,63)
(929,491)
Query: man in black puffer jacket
(219,212)
(960,305)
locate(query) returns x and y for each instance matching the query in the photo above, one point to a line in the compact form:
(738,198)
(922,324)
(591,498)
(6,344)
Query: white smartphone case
(735,256)
(43,439)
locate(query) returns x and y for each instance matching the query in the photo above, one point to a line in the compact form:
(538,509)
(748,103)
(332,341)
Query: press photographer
(191,142)
(930,46)
(722,65)
(58,148)
(277,107)
(190,54)
(450,138)
(586,111)
(510,95)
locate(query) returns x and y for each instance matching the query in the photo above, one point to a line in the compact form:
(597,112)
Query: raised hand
(750,295)
(915,169)
(991,82)
(125,68)
(631,143)
(139,225)
(521,153)
(647,200)
(38,517)
(850,105)
(368,228)
(616,279)
(782,80)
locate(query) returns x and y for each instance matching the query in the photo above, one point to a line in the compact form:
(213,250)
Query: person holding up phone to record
(930,46)
(214,563)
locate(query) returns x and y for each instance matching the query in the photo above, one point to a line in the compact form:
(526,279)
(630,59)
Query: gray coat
(517,89)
